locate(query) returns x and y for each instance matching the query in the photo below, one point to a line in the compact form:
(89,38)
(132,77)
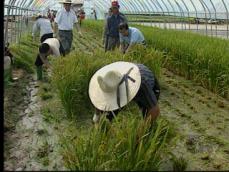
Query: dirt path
(32,144)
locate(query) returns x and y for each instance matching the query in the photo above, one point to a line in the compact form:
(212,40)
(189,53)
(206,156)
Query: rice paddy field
(48,125)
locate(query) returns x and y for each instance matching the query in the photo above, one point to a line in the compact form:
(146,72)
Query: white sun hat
(110,86)
(65,1)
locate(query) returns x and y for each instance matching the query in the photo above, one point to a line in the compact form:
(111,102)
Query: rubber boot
(39,73)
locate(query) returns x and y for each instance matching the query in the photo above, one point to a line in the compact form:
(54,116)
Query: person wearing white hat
(115,85)
(65,20)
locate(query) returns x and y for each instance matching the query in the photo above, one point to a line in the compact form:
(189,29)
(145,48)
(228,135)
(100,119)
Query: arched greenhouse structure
(103,85)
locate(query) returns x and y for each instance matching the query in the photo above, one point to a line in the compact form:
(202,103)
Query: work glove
(33,37)
(96,118)
(80,34)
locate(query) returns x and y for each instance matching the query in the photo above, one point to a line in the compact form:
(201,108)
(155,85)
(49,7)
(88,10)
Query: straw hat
(65,1)
(106,89)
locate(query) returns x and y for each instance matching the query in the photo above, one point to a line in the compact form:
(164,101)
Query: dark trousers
(66,37)
(38,61)
(112,43)
(46,36)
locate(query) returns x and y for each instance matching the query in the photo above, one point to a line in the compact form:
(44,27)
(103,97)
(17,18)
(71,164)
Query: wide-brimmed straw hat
(65,1)
(114,85)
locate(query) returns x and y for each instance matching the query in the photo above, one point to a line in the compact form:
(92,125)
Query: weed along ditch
(48,124)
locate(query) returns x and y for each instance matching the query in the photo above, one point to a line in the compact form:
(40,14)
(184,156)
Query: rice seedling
(197,57)
(24,53)
(126,144)
(71,75)
(179,163)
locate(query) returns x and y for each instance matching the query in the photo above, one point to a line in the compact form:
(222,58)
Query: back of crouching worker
(115,85)
(51,46)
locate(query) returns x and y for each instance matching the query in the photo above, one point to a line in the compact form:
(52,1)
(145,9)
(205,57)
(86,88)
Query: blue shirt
(113,22)
(135,36)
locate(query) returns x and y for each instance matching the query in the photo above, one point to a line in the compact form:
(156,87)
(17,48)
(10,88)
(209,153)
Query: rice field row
(191,109)
(182,138)
(200,58)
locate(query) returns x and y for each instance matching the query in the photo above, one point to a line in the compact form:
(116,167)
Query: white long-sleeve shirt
(65,20)
(44,25)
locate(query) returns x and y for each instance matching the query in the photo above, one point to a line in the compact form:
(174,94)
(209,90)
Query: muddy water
(33,144)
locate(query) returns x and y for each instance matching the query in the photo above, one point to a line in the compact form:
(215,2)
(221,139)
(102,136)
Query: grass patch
(179,163)
(46,96)
(200,58)
(127,144)
(48,116)
(24,53)
(71,75)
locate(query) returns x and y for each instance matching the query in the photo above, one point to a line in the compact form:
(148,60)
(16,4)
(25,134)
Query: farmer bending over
(51,46)
(115,85)
(43,24)
(129,36)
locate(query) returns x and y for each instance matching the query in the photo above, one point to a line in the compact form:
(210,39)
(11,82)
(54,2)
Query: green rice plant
(179,163)
(72,74)
(200,58)
(129,143)
(24,53)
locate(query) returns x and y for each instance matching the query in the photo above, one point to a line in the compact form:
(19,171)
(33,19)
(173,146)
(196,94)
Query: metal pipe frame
(209,12)
(167,11)
(157,10)
(227,17)
(162,12)
(196,14)
(152,11)
(215,16)
(205,13)
(187,12)
(182,13)
(11,3)
(20,8)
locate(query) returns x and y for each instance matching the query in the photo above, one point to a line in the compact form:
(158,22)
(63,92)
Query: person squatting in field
(115,85)
(129,36)
(51,46)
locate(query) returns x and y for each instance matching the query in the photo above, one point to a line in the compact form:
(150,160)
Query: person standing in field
(129,36)
(95,14)
(44,25)
(105,34)
(113,86)
(111,28)
(65,20)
